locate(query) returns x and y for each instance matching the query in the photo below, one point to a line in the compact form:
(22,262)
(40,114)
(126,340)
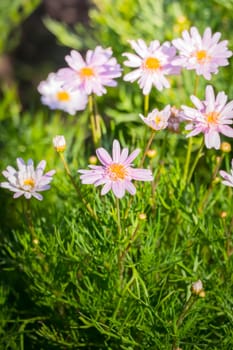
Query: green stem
(208,192)
(147,147)
(146,104)
(190,302)
(187,160)
(196,85)
(28,214)
(87,205)
(198,156)
(95,120)
(118,215)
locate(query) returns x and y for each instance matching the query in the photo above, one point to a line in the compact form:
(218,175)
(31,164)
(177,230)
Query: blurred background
(36,34)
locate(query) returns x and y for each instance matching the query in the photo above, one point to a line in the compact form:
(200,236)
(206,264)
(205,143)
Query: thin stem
(123,254)
(187,160)
(190,143)
(208,192)
(95,120)
(131,240)
(147,147)
(190,302)
(118,215)
(185,310)
(98,119)
(196,84)
(87,205)
(198,156)
(28,214)
(146,104)
(228,242)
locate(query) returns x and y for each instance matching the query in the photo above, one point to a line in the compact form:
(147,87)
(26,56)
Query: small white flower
(59,143)
(157,120)
(197,287)
(26,180)
(56,97)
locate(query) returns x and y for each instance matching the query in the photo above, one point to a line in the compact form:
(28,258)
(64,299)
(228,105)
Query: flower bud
(223,214)
(59,143)
(142,216)
(93,160)
(151,153)
(197,288)
(225,147)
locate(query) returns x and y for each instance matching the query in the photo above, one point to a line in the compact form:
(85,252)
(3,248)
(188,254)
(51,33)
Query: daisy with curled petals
(27,180)
(56,97)
(157,120)
(116,172)
(203,54)
(210,117)
(92,74)
(153,63)
(228,178)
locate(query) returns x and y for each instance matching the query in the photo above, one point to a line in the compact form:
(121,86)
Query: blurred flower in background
(56,97)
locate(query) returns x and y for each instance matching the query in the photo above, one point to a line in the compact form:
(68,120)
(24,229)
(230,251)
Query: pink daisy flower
(116,172)
(26,180)
(203,54)
(56,97)
(99,69)
(228,178)
(157,120)
(210,117)
(152,64)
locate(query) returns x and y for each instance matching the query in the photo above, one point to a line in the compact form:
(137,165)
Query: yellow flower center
(86,72)
(117,172)
(152,63)
(202,56)
(60,148)
(212,117)
(63,96)
(157,119)
(29,182)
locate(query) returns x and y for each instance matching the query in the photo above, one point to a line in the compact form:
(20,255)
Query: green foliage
(12,14)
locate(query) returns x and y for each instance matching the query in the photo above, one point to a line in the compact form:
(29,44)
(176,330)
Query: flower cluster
(69,89)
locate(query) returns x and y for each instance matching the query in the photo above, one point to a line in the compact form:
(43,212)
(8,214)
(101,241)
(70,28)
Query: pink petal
(118,188)
(116,151)
(103,156)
